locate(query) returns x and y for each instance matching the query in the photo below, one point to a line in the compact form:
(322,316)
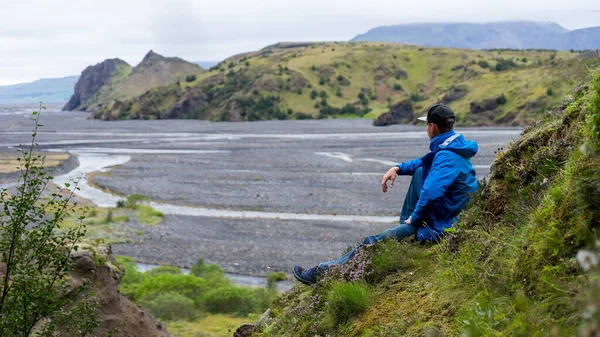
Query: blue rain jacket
(448,182)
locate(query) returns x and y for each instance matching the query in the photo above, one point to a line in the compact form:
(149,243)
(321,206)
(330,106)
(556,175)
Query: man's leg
(400,232)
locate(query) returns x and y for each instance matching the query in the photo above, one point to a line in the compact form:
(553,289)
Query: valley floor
(327,169)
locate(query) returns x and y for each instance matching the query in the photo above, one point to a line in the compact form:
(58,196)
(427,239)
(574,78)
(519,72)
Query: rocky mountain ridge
(91,80)
(113,80)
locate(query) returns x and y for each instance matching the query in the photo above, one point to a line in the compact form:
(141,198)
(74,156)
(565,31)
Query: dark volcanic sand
(323,167)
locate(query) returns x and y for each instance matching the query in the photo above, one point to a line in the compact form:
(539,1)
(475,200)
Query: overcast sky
(56,38)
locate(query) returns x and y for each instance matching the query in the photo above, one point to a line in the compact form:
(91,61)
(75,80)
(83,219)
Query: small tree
(35,296)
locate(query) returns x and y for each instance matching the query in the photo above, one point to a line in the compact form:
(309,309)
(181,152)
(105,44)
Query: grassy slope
(509,267)
(373,67)
(127,82)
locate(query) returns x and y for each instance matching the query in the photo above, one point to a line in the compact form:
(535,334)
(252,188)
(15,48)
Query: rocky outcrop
(118,316)
(158,63)
(400,113)
(91,80)
(189,104)
(113,80)
(454,93)
(168,102)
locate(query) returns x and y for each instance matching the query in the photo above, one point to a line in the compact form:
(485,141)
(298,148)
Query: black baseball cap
(439,114)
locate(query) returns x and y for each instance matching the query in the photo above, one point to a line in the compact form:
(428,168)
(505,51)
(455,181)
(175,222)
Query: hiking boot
(307,276)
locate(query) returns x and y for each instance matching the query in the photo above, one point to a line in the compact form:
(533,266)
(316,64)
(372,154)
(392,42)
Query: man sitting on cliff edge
(441,186)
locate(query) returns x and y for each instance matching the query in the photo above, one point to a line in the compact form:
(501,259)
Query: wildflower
(586,259)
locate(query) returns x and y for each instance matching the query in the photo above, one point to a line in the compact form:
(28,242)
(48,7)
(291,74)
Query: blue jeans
(400,232)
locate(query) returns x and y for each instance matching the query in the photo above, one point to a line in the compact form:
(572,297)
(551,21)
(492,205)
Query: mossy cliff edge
(523,261)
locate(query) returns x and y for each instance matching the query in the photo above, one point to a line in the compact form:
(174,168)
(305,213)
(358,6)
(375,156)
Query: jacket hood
(454,142)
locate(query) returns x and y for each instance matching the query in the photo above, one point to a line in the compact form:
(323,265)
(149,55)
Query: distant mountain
(47,90)
(114,80)
(495,35)
(207,64)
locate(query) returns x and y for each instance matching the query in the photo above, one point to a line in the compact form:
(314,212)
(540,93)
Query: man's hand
(391,176)
(407,221)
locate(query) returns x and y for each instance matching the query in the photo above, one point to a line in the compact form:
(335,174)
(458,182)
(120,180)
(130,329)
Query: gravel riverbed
(326,167)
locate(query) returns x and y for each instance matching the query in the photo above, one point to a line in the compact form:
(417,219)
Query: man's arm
(406,168)
(442,174)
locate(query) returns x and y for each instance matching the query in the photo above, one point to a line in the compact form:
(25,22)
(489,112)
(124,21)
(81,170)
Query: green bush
(397,87)
(501,99)
(504,64)
(164,269)
(134,199)
(416,97)
(170,306)
(313,94)
(236,300)
(212,273)
(190,78)
(346,300)
(189,286)
(302,115)
(550,92)
(483,64)
(131,278)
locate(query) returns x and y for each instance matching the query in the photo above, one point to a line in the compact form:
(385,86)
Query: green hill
(523,261)
(322,80)
(114,80)
(47,90)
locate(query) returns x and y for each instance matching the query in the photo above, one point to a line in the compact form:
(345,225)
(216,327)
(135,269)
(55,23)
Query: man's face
(430,130)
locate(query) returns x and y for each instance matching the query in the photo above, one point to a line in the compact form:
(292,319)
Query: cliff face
(114,80)
(92,79)
(117,314)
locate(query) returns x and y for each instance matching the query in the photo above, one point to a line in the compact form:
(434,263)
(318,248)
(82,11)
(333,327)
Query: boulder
(400,113)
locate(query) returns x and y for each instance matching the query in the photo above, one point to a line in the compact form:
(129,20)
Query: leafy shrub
(237,300)
(397,87)
(186,285)
(313,94)
(165,269)
(302,115)
(131,277)
(35,253)
(170,306)
(483,64)
(212,273)
(346,300)
(501,99)
(504,64)
(416,97)
(550,92)
(190,78)
(134,199)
